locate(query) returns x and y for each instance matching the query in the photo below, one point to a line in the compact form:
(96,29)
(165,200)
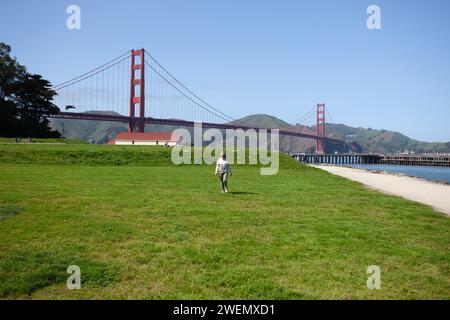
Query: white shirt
(222,166)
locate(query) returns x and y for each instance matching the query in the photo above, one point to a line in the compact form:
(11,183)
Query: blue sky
(250,56)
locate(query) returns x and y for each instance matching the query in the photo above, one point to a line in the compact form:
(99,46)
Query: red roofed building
(145,138)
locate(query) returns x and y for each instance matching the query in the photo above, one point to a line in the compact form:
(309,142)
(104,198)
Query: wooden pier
(409,160)
(337,158)
(417,160)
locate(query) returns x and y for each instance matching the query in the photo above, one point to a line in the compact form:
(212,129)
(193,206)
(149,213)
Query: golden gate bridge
(134,88)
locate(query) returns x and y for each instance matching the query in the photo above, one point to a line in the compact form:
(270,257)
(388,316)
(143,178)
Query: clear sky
(262,56)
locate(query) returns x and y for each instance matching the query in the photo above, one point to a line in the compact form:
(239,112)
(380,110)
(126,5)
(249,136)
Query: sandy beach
(430,193)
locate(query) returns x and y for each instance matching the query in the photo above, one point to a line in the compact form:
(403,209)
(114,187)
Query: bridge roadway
(182,123)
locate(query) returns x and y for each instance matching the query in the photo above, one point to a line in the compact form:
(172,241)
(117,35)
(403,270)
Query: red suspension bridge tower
(137,94)
(320,128)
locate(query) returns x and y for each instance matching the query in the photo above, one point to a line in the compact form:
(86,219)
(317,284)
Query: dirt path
(433,194)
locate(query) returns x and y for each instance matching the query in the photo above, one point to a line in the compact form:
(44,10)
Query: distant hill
(287,143)
(262,121)
(358,139)
(384,141)
(84,129)
(295,144)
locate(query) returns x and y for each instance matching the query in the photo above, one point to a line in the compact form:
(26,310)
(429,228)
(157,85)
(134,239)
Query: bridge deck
(182,123)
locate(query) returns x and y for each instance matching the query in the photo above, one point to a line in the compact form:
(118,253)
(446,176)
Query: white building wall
(145,143)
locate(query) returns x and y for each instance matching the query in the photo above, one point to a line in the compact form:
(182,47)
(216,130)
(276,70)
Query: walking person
(223,170)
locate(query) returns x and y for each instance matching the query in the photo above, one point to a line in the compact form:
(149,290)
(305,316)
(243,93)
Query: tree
(25,100)
(34,102)
(10,72)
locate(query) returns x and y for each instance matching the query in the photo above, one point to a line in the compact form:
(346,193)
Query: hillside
(106,155)
(358,139)
(290,144)
(385,141)
(262,121)
(83,129)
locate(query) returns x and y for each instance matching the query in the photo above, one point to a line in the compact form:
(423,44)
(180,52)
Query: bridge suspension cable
(89,76)
(186,96)
(305,117)
(103,67)
(329,116)
(310,114)
(101,89)
(229,118)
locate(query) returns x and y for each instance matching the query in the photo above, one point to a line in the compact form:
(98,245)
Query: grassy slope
(138,230)
(43,140)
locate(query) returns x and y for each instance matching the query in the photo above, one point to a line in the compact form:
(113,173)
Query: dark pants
(223,180)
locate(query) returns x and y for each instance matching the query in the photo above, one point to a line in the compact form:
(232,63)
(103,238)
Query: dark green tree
(25,100)
(10,73)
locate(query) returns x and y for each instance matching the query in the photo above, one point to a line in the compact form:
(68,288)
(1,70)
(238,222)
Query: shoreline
(434,194)
(377,171)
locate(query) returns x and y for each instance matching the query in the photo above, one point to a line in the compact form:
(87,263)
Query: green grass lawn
(139,227)
(44,140)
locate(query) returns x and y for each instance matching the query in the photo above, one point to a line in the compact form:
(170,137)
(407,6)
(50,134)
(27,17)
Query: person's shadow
(241,192)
